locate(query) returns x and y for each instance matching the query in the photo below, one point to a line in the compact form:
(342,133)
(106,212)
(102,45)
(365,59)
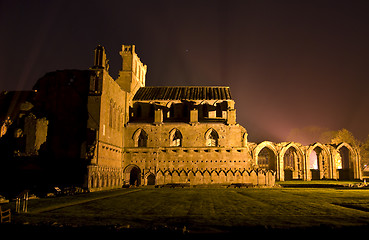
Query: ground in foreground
(203,210)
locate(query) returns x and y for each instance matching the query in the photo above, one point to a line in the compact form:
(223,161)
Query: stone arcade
(82,127)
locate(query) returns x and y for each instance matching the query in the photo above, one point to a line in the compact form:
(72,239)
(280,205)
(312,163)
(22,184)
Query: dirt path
(76,202)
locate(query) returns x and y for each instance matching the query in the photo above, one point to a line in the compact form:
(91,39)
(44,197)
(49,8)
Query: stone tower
(100,65)
(133,73)
(100,60)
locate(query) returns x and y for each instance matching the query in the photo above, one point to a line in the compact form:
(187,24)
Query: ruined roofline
(183,93)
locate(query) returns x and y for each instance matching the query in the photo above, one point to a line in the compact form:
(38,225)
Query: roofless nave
(82,127)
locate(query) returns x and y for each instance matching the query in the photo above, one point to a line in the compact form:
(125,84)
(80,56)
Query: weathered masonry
(84,128)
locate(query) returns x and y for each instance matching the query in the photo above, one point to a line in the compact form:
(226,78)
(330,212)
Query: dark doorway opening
(135,177)
(151,179)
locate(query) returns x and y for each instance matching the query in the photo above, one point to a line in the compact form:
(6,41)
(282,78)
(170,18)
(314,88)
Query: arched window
(267,159)
(114,115)
(212,138)
(111,113)
(175,138)
(140,138)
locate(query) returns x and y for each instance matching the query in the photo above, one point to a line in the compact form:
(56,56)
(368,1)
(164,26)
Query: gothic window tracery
(175,138)
(111,113)
(140,138)
(212,138)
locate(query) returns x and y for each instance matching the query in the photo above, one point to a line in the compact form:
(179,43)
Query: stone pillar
(158,118)
(280,168)
(231,116)
(194,116)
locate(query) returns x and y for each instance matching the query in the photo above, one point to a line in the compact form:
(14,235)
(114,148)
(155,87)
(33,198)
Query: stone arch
(253,176)
(262,177)
(103,180)
(93,180)
(132,175)
(207,177)
(238,176)
(110,180)
(318,162)
(176,176)
(120,119)
(150,178)
(222,176)
(199,177)
(349,148)
(159,177)
(212,138)
(246,176)
(269,178)
(216,102)
(229,176)
(220,108)
(169,110)
(140,138)
(167,176)
(183,176)
(204,111)
(98,180)
(111,110)
(292,161)
(244,139)
(169,104)
(191,177)
(175,138)
(350,166)
(271,155)
(114,116)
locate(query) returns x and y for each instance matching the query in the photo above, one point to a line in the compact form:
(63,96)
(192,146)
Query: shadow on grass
(180,233)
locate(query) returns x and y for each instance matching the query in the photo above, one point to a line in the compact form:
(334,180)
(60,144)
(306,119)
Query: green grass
(212,209)
(318,182)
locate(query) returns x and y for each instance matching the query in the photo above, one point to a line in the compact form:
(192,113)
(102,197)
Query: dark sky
(290,64)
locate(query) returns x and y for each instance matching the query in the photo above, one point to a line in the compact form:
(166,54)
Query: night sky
(290,64)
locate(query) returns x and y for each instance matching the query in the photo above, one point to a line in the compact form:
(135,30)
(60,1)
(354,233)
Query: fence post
(3,216)
(22,202)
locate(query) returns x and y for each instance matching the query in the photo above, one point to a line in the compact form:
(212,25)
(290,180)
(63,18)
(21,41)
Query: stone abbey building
(84,128)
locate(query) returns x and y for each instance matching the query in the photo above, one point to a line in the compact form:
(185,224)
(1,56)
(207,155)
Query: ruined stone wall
(108,106)
(111,123)
(35,132)
(195,166)
(193,162)
(133,73)
(294,161)
(193,135)
(107,111)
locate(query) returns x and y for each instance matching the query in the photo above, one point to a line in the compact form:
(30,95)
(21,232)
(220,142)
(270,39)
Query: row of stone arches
(104,180)
(134,176)
(316,161)
(140,138)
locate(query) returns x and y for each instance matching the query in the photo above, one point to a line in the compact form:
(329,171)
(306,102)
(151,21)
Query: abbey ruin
(82,127)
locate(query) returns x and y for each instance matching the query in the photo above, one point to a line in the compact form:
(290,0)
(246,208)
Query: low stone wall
(255,177)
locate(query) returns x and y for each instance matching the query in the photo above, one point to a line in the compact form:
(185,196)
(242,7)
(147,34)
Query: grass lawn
(204,209)
(317,183)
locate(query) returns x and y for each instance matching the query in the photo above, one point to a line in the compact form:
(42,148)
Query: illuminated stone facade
(120,132)
(190,135)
